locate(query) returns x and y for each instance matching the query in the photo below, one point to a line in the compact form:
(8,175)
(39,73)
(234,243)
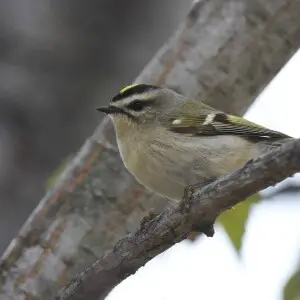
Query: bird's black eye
(136,105)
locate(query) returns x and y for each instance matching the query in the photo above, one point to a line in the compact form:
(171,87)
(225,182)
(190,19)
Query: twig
(170,227)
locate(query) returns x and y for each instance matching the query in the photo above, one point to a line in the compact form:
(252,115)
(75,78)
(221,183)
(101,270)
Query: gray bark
(172,226)
(226,51)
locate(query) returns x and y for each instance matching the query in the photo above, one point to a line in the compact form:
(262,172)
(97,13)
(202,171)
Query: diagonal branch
(170,227)
(226,50)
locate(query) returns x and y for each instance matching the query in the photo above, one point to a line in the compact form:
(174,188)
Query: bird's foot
(186,202)
(146,219)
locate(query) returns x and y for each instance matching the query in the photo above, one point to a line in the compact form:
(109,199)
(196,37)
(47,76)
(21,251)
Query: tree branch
(226,50)
(170,227)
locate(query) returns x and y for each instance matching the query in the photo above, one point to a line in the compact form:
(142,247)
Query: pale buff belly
(168,170)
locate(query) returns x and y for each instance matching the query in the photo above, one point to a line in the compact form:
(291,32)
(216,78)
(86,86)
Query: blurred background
(61,59)
(58,61)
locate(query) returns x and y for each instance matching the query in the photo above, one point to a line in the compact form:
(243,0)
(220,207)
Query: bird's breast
(168,168)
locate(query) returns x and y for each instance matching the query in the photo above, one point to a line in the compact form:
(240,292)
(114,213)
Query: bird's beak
(109,109)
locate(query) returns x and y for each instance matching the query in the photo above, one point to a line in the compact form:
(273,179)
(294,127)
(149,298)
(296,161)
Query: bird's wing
(209,121)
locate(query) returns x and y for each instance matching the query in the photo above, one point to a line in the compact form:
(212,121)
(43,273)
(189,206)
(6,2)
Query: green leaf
(292,287)
(234,220)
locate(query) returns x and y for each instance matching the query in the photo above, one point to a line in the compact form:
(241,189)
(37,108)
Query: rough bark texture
(226,50)
(171,226)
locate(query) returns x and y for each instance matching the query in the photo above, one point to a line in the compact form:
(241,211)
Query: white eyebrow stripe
(142,97)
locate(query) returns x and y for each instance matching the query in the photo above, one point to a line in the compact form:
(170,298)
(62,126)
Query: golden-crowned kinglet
(169,142)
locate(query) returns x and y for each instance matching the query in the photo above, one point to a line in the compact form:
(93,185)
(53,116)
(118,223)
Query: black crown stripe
(135,89)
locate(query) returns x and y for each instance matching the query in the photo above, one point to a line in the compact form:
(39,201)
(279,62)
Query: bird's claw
(186,202)
(146,219)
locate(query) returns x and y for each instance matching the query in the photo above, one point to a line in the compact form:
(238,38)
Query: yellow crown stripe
(127,88)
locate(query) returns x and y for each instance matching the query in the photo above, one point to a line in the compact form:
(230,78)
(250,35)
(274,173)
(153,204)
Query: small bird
(170,142)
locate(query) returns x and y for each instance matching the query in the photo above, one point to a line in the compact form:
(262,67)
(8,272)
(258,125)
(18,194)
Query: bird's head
(139,106)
